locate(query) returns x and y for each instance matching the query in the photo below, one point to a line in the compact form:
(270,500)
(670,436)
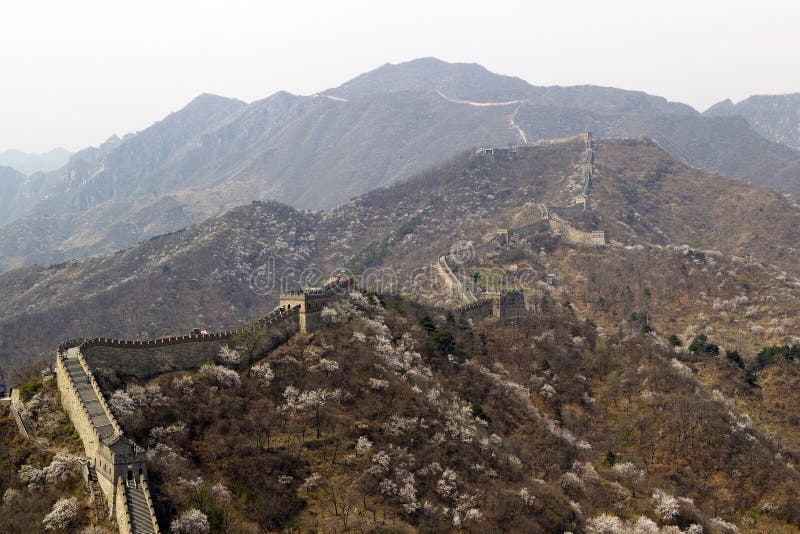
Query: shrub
(263,373)
(675,341)
(604,524)
(228,356)
(478,413)
(735,357)
(698,344)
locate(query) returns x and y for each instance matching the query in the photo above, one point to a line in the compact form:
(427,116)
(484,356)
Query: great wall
(117,467)
(116,470)
(505,304)
(558,225)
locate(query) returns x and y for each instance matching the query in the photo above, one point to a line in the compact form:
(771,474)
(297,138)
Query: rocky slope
(649,387)
(317,151)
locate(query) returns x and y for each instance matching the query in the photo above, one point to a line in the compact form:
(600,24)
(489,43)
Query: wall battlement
(120,464)
(114,458)
(310,302)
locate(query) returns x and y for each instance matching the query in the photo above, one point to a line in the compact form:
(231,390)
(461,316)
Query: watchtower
(311,301)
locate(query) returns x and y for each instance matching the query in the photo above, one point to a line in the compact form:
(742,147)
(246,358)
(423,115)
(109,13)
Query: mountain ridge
(317,151)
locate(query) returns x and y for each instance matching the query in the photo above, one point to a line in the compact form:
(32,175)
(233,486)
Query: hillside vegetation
(393,419)
(41,485)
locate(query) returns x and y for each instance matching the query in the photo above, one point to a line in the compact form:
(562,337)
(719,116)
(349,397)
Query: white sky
(74,72)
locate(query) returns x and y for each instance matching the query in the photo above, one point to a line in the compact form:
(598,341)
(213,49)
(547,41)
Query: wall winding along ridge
(119,464)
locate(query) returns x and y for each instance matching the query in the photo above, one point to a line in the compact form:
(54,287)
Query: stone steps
(138,510)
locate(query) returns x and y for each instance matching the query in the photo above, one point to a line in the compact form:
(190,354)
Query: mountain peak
(775,117)
(28,163)
(724,107)
(428,74)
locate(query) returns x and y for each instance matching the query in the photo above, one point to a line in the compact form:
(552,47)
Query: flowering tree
(312,400)
(363,444)
(61,469)
(222,376)
(62,515)
(329,315)
(263,373)
(190,522)
(378,384)
(665,505)
(329,366)
(12,498)
(229,356)
(125,402)
(604,524)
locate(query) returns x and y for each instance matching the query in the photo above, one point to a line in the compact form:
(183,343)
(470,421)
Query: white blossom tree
(62,515)
(604,524)
(190,522)
(221,376)
(263,373)
(363,444)
(328,366)
(229,356)
(665,505)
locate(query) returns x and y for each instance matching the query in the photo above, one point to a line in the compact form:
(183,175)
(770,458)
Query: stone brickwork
(572,235)
(145,358)
(311,301)
(121,465)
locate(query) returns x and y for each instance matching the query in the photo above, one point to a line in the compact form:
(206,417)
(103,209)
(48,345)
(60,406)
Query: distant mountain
(30,163)
(315,152)
(11,182)
(472,82)
(776,117)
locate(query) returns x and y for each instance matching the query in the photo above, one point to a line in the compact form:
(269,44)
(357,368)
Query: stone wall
(115,458)
(509,305)
(476,311)
(110,492)
(452,282)
(149,499)
(574,236)
(528,229)
(142,362)
(146,358)
(310,302)
(122,515)
(76,410)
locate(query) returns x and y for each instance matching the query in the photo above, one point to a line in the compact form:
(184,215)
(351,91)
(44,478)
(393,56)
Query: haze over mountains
(317,151)
(27,163)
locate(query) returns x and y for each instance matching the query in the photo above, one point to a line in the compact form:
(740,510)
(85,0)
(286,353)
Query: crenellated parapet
(311,301)
(120,464)
(149,357)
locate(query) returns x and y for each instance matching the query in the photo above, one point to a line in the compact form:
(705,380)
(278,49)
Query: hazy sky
(73,73)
